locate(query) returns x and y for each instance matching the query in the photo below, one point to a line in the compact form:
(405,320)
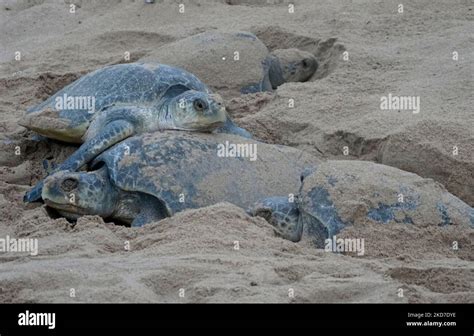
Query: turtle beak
(218,109)
(57,190)
(311,65)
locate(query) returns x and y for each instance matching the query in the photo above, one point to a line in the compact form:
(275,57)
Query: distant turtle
(115,102)
(342,193)
(155,175)
(236,62)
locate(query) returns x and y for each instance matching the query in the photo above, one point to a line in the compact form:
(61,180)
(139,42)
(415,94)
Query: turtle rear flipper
(50,124)
(152,210)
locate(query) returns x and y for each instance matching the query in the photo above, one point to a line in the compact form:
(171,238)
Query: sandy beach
(366,50)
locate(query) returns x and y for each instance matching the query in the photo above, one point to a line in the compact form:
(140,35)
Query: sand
(193,256)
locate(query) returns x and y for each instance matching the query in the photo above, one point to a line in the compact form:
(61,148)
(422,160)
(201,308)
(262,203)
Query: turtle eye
(69,184)
(199,105)
(305,63)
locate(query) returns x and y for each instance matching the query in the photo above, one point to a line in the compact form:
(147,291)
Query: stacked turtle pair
(139,171)
(131,99)
(128,99)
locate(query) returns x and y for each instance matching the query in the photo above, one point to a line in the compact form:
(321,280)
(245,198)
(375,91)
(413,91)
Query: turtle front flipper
(112,133)
(34,194)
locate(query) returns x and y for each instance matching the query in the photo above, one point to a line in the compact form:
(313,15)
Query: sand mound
(215,254)
(438,150)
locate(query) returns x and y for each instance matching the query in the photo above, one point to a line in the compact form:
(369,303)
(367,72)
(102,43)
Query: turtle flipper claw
(34,195)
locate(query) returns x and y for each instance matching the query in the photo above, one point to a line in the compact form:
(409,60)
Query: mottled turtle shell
(184,170)
(133,83)
(341,193)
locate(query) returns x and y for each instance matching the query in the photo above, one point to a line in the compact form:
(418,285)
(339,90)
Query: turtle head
(282,214)
(195,111)
(74,194)
(290,65)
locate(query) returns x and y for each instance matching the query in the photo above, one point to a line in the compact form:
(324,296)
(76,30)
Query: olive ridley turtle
(115,102)
(341,193)
(236,62)
(151,176)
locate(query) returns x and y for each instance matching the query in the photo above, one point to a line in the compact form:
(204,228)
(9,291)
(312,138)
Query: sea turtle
(341,193)
(236,62)
(115,102)
(151,176)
